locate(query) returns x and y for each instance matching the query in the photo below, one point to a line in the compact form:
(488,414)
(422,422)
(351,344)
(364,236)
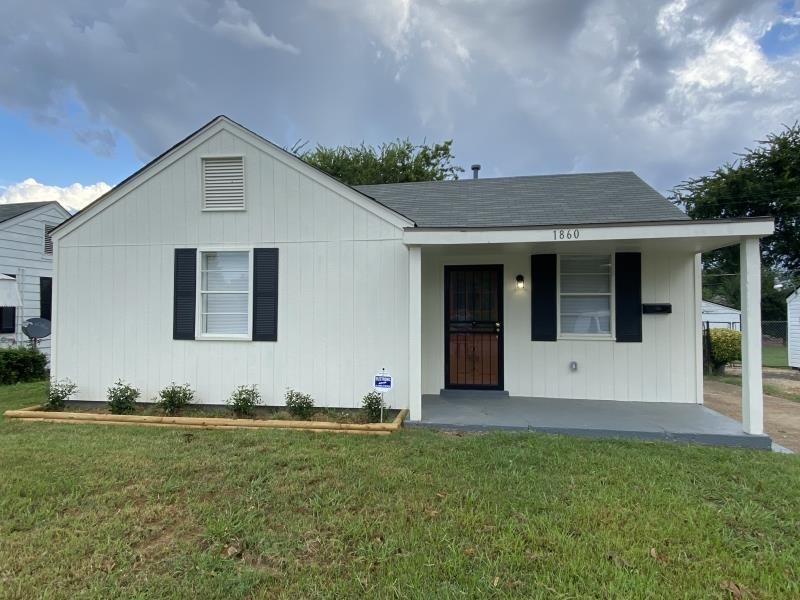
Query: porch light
(520,282)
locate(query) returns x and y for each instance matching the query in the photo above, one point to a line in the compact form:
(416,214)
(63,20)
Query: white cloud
(72,197)
(237,24)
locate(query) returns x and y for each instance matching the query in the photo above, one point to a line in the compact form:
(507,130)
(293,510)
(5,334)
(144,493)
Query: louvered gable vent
(223,183)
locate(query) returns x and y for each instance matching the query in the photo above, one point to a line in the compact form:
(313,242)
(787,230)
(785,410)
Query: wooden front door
(473,325)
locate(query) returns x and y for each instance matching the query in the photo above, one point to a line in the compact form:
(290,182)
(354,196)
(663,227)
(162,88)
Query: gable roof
(9,211)
(185,145)
(576,199)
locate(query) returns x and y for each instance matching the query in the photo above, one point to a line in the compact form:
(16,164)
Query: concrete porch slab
(590,418)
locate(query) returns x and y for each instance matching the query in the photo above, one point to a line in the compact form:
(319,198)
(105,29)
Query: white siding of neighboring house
(22,254)
(793,329)
(721,317)
(660,369)
(343,286)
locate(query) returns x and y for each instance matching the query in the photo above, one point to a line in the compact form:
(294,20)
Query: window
(223,183)
(46,298)
(48,241)
(8,319)
(585,300)
(225,293)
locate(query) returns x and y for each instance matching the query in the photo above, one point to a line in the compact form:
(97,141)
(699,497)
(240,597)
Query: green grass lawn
(775,356)
(97,511)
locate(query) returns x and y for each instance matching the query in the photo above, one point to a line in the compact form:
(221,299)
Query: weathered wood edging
(34,413)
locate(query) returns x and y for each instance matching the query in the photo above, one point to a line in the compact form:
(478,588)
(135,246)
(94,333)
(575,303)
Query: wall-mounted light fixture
(520,282)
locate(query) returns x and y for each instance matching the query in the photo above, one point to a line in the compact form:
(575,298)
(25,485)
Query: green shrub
(173,398)
(373,406)
(21,364)
(726,347)
(244,399)
(122,398)
(300,405)
(58,392)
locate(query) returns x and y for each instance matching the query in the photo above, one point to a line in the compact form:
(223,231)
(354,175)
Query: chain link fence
(773,343)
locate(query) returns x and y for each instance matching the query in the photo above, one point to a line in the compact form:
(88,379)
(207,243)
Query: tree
(764,181)
(394,162)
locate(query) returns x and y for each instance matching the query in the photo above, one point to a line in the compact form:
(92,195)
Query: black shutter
(628,299)
(185,294)
(8,319)
(46,298)
(544,317)
(265,294)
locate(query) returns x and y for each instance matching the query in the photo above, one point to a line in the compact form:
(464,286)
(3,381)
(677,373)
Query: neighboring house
(26,255)
(719,316)
(793,328)
(229,261)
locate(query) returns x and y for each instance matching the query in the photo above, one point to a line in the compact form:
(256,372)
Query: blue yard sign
(383,381)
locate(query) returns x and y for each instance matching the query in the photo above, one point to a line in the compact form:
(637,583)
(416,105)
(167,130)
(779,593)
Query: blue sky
(667,88)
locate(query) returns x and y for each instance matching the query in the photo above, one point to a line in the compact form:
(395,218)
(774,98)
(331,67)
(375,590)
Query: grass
(775,356)
(96,511)
(768,388)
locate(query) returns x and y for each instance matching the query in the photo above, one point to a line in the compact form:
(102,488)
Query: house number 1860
(566,234)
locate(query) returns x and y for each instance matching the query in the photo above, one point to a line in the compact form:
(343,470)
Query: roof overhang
(684,235)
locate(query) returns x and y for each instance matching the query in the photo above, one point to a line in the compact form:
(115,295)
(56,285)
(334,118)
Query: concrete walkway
(593,418)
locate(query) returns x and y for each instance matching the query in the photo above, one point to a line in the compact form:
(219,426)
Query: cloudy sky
(91,90)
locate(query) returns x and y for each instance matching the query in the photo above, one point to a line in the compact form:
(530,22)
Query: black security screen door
(473,325)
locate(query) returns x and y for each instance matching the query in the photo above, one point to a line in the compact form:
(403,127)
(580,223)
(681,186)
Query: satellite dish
(36,329)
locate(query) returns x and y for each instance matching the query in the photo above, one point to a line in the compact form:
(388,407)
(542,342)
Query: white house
(229,261)
(719,316)
(793,328)
(26,256)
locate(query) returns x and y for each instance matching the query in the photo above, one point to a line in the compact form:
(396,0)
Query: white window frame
(198,326)
(205,157)
(612,336)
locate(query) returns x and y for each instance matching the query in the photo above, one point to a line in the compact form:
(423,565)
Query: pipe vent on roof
(475,169)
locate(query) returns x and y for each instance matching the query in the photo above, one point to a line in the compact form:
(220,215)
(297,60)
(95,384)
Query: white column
(752,394)
(698,333)
(415,333)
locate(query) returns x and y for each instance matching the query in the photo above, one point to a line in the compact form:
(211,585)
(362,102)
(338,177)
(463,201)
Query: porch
(475,411)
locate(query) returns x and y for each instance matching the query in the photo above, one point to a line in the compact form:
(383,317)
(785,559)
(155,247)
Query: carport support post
(415,333)
(750,281)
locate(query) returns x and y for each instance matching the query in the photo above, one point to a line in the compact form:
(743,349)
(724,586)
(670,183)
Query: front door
(473,325)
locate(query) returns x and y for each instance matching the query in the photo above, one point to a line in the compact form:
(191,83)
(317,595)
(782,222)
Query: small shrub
(726,347)
(21,364)
(58,392)
(173,398)
(300,405)
(373,405)
(244,399)
(122,398)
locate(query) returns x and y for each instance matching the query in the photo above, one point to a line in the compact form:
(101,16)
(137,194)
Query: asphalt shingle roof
(578,199)
(9,211)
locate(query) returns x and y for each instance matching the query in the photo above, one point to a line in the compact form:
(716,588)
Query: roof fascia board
(588,233)
(140,177)
(293,162)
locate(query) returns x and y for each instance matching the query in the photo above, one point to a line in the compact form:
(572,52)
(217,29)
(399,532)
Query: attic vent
(223,183)
(48,241)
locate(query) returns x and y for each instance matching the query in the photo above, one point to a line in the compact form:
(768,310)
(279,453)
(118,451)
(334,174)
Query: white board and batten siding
(661,368)
(793,328)
(342,283)
(23,255)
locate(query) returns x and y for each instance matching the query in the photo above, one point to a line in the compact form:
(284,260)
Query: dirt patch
(781,417)
(786,380)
